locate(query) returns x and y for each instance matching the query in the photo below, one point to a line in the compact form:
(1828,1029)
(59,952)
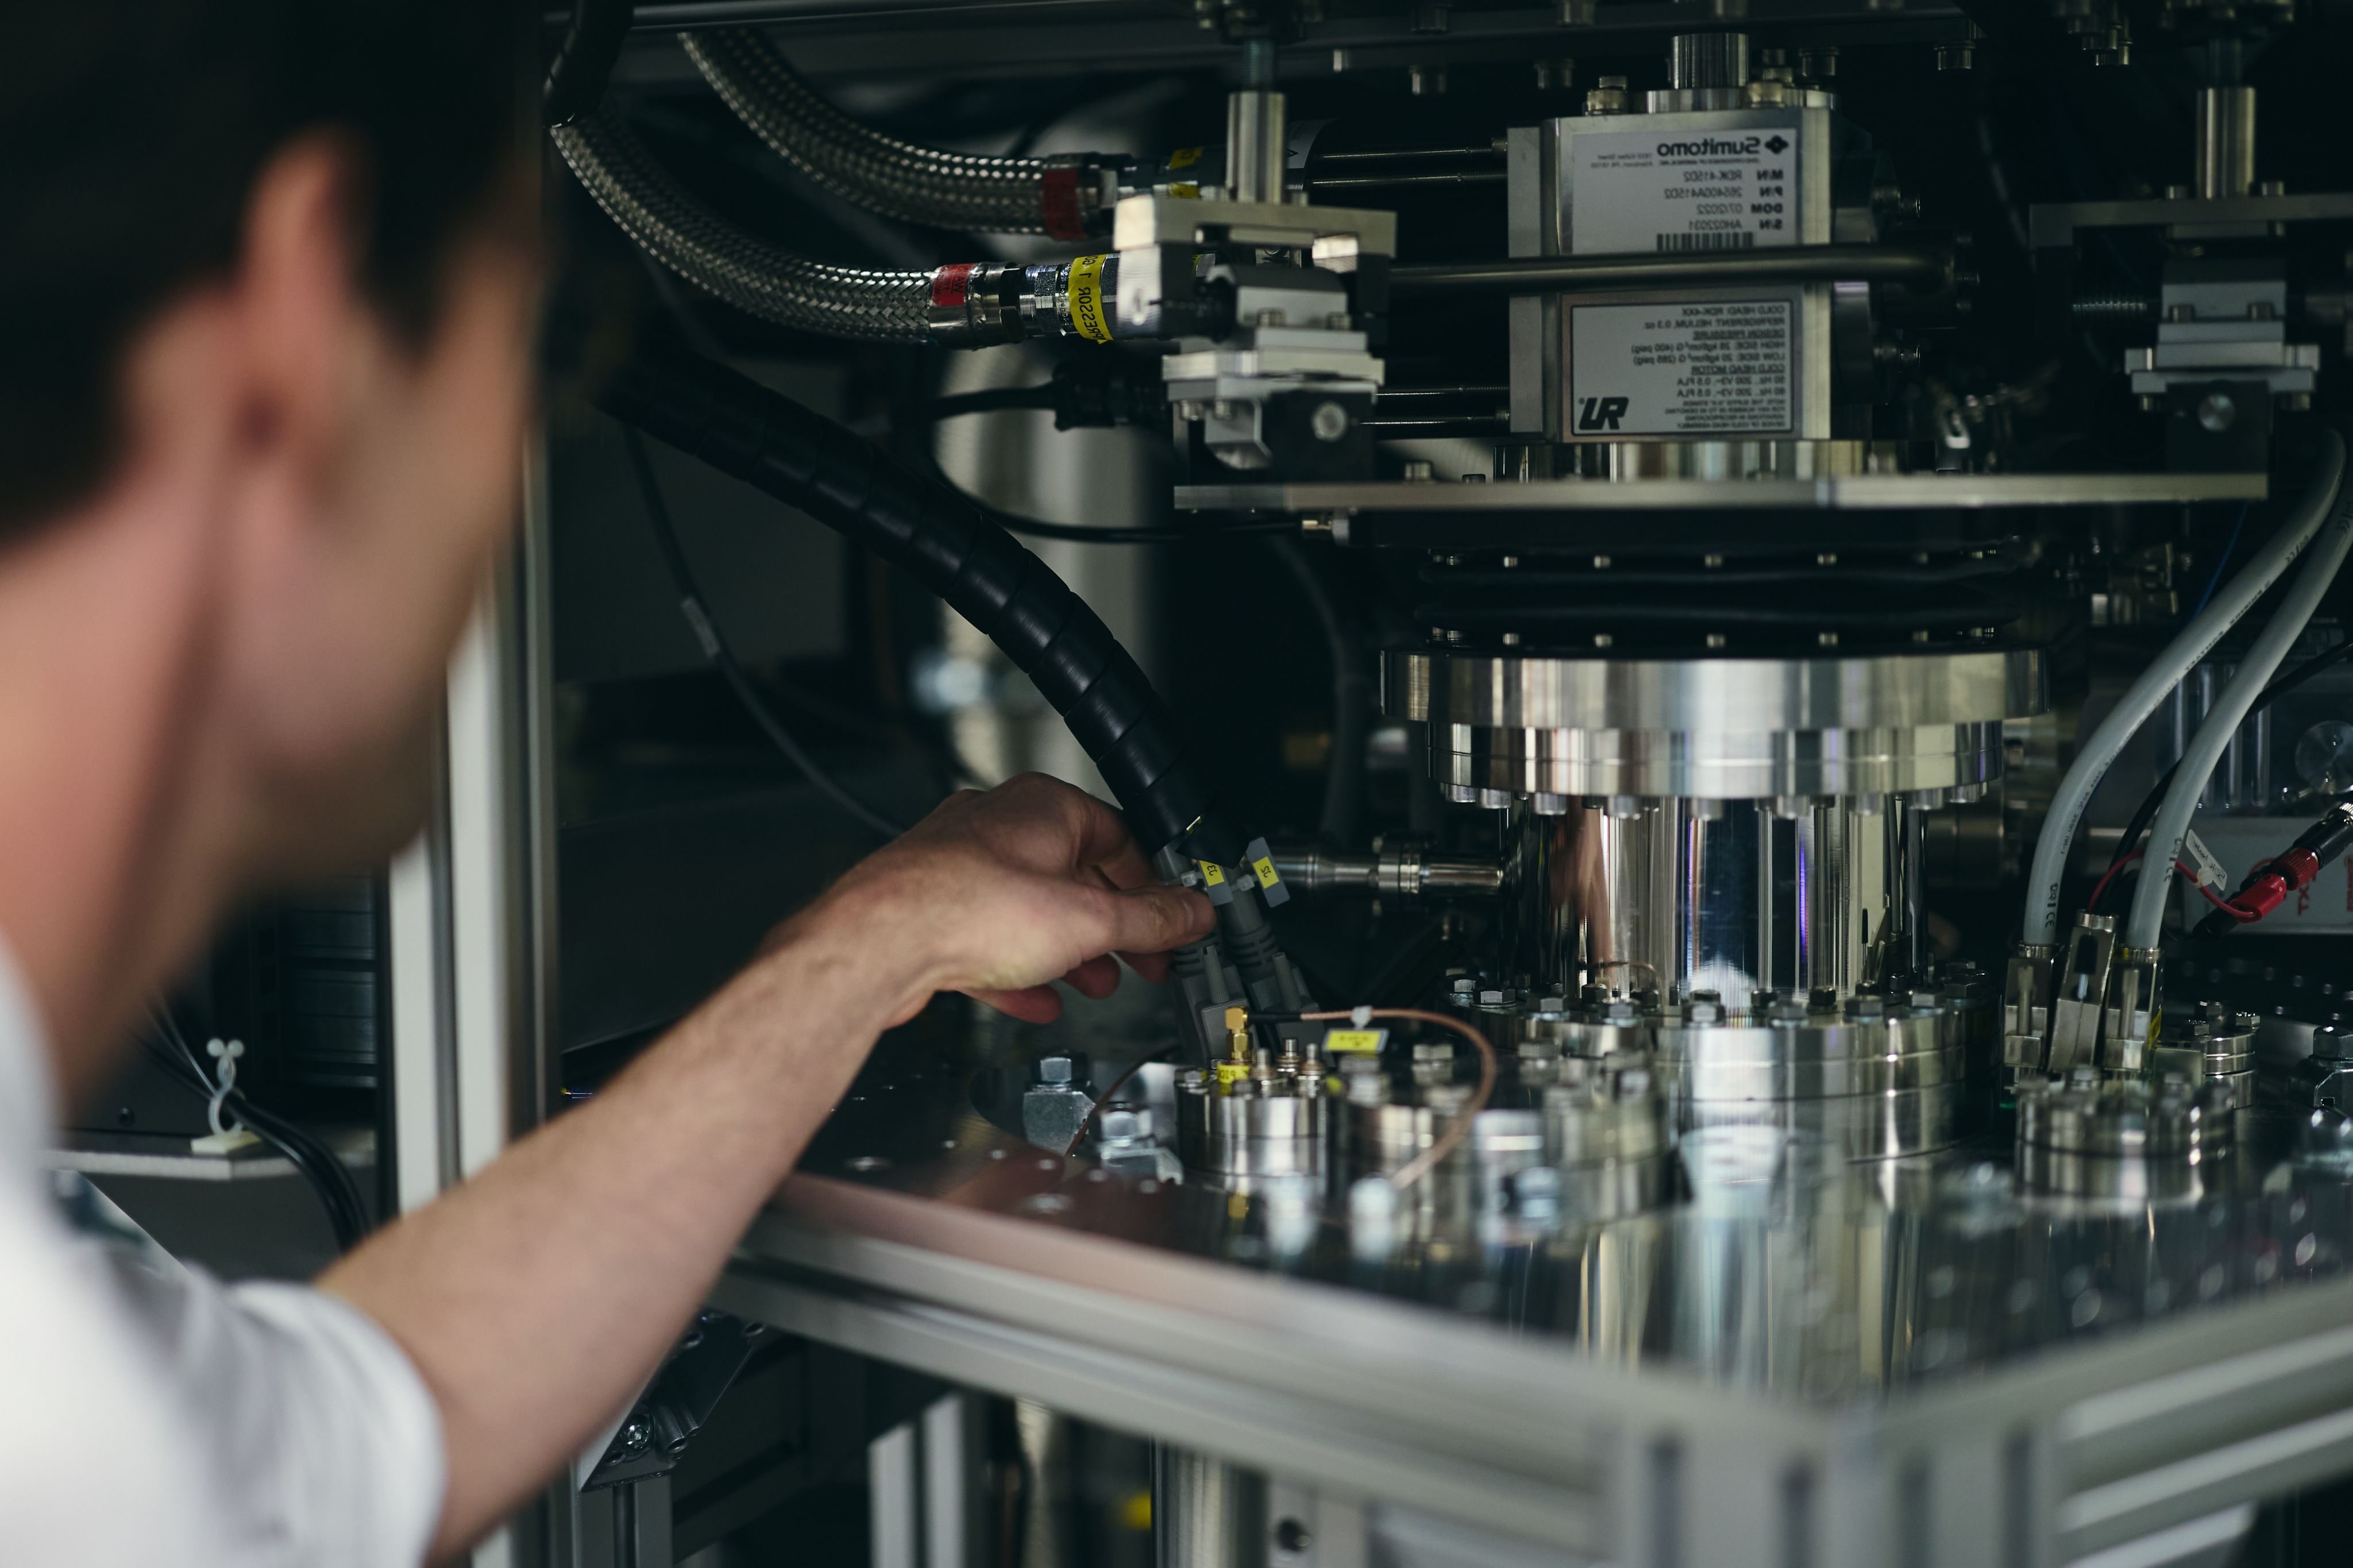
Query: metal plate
(1844,492)
(1723,696)
(1855,1126)
(1948,1356)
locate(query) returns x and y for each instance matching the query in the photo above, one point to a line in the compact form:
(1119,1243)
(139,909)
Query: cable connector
(2292,870)
(2130,1024)
(2026,1008)
(2081,997)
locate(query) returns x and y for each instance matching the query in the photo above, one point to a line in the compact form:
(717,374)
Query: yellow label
(1087,316)
(1265,869)
(1185,193)
(1185,157)
(1212,874)
(1338,1042)
(1232,1072)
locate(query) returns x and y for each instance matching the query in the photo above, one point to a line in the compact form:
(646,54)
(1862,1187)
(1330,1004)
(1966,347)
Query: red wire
(2109,876)
(2213,898)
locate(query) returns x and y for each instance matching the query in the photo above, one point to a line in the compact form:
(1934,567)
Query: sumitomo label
(1682,190)
(1685,368)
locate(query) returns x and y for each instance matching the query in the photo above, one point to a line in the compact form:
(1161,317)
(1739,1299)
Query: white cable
(2146,922)
(2181,656)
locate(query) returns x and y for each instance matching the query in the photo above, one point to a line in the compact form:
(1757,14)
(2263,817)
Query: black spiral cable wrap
(882,174)
(948,543)
(678,231)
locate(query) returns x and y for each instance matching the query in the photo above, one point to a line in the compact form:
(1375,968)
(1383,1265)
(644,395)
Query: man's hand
(996,894)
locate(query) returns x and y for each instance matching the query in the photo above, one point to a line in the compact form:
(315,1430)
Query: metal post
(1708,60)
(2226,142)
(1207,1513)
(1257,150)
(471,933)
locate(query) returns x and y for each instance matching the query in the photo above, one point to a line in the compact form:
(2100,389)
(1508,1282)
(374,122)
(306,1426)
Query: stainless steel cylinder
(2209,1044)
(1708,60)
(1256,149)
(1243,1132)
(2226,142)
(2121,1138)
(1715,729)
(1876,1080)
(1206,1513)
(1678,896)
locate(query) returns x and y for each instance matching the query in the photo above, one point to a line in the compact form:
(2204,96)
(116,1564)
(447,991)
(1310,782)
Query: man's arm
(533,1299)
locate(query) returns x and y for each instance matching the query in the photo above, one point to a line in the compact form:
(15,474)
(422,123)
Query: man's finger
(1155,918)
(1153,966)
(1097,977)
(1105,844)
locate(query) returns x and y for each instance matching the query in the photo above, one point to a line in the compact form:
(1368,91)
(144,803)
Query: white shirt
(152,1417)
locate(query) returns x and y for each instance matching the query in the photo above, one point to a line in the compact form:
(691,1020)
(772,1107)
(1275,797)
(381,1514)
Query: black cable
(2146,812)
(988,401)
(907,516)
(331,1181)
(338,1192)
(1089,534)
(722,657)
(1343,777)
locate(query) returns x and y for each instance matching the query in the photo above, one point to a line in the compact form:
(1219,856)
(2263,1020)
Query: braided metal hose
(915,184)
(678,232)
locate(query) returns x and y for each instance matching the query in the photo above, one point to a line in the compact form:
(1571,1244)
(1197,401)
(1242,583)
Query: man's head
(265,277)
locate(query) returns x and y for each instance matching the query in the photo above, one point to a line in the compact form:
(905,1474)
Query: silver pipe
(1930,271)
(1708,60)
(1399,874)
(2226,142)
(1256,149)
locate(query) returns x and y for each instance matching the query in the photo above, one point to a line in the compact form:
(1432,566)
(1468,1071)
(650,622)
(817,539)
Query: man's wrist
(870,927)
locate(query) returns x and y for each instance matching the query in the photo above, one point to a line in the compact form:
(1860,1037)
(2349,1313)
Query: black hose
(948,543)
(1352,699)
(1927,270)
(584,59)
(650,207)
(723,657)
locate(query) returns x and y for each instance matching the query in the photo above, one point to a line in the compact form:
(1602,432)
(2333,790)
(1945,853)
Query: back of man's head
(131,135)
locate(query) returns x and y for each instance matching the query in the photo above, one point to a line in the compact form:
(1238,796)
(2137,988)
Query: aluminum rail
(1921,269)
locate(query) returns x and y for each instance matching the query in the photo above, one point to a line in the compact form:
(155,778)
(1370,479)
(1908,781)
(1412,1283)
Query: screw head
(2217,413)
(1329,422)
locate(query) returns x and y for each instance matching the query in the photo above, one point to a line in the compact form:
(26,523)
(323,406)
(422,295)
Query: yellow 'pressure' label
(1338,1042)
(1185,157)
(1087,317)
(1265,869)
(1212,874)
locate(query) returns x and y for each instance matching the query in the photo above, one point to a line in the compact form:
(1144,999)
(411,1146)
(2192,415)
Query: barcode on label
(1735,239)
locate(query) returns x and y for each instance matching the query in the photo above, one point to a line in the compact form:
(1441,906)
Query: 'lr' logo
(1602,413)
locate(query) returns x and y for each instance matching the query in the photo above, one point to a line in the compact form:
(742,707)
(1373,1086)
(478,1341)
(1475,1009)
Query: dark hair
(131,134)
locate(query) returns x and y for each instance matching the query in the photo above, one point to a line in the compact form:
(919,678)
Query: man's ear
(305,335)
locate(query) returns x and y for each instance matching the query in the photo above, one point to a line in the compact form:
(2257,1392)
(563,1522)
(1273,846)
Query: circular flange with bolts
(1714,729)
(1812,1056)
(2121,1138)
